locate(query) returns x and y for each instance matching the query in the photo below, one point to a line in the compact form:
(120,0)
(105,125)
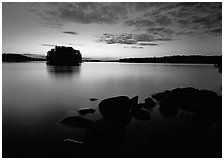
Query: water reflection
(202,109)
(54,91)
(108,132)
(63,71)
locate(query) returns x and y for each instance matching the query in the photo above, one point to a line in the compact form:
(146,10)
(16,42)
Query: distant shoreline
(193,59)
(10,57)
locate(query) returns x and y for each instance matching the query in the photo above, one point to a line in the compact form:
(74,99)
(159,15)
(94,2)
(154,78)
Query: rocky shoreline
(108,132)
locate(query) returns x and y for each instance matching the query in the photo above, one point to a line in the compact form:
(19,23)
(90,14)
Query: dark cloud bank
(70,32)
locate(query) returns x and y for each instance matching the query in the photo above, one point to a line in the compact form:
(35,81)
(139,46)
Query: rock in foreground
(93,99)
(149,103)
(141,114)
(85,111)
(115,108)
(205,104)
(76,122)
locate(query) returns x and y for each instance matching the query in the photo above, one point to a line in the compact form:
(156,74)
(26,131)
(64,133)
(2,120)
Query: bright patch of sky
(113,30)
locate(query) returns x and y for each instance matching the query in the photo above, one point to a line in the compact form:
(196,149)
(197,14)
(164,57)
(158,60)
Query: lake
(36,97)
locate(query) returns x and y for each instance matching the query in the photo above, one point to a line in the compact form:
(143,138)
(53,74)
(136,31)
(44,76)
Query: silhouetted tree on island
(62,55)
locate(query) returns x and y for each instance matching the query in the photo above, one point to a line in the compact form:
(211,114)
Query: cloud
(140,45)
(183,22)
(120,38)
(48,45)
(162,20)
(137,40)
(70,32)
(147,44)
(134,47)
(198,18)
(139,23)
(154,34)
(73,44)
(161,32)
(173,20)
(144,37)
(81,12)
(217,31)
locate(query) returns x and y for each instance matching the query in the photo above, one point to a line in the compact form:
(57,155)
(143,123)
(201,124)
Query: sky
(113,29)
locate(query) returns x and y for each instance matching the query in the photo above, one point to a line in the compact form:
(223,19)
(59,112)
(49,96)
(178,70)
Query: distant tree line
(12,57)
(197,59)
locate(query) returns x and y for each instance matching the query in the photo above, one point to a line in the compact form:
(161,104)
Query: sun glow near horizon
(113,30)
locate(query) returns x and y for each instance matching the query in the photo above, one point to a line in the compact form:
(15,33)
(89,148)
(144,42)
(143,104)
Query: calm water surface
(36,97)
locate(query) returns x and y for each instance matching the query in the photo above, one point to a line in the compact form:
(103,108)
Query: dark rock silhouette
(137,111)
(141,114)
(161,95)
(115,108)
(61,55)
(105,135)
(108,132)
(134,103)
(141,105)
(85,111)
(145,105)
(120,109)
(168,111)
(189,99)
(101,135)
(149,103)
(205,110)
(205,105)
(76,122)
(93,99)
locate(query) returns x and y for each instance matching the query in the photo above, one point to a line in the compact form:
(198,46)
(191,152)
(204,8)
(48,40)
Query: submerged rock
(73,141)
(76,122)
(168,111)
(150,103)
(161,95)
(101,135)
(205,104)
(141,105)
(141,115)
(93,99)
(115,108)
(134,103)
(104,134)
(85,111)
